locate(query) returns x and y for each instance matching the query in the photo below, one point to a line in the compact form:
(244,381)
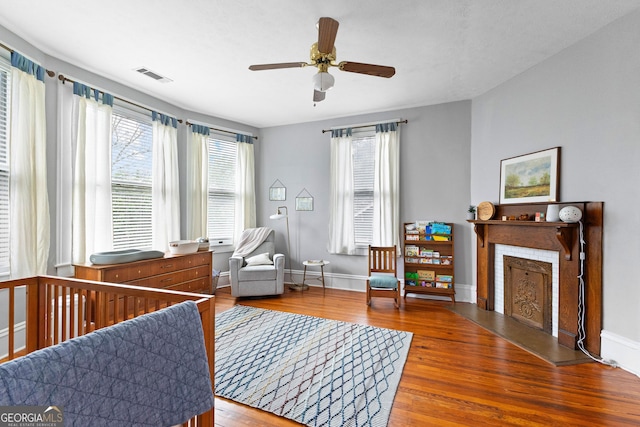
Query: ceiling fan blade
(327,30)
(370,69)
(261,67)
(318,96)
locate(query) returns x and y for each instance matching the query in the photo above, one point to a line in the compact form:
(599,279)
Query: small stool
(314,263)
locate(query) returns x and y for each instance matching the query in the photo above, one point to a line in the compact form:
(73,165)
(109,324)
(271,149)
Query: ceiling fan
(323,56)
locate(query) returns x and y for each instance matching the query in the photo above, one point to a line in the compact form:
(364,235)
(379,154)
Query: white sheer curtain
(386,186)
(197,181)
(341,194)
(92,216)
(245,203)
(165,205)
(29,202)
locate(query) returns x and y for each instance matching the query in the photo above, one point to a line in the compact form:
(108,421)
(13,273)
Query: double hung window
(363,153)
(131,172)
(221,193)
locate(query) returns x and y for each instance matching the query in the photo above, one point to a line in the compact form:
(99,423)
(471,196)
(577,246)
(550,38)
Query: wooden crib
(47,310)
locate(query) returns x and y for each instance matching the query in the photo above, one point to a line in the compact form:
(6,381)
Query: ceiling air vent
(152,74)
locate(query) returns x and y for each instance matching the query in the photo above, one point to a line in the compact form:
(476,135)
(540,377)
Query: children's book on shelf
(428,275)
(443,285)
(426,252)
(411,250)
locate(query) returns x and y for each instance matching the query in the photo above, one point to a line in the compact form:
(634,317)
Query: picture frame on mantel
(530,178)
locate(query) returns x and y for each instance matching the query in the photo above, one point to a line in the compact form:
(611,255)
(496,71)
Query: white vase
(553,213)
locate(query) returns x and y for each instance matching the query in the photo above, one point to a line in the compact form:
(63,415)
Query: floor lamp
(279,215)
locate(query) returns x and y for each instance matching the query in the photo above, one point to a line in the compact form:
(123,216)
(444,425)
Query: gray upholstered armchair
(257,274)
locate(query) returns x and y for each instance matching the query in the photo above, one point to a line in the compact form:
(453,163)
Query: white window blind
(131,163)
(5,75)
(221,188)
(363,152)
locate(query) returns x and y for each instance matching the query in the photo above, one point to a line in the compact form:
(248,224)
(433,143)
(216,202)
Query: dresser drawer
(116,275)
(167,265)
(202,285)
(199,258)
(127,273)
(162,280)
(198,272)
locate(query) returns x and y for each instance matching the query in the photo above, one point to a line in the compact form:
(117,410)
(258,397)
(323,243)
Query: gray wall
(434,179)
(587,101)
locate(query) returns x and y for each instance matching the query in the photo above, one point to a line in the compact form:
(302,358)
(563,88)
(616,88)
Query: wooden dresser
(189,273)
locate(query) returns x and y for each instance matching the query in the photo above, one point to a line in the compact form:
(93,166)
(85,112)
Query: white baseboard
(465,293)
(351,282)
(623,351)
(19,337)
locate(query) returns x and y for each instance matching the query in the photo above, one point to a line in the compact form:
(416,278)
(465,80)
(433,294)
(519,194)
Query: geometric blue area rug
(315,371)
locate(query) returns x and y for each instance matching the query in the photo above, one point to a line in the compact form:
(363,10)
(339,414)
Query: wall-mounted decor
(531,177)
(277,191)
(304,201)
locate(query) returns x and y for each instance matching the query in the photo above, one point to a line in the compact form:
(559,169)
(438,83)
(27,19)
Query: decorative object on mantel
(531,177)
(553,213)
(570,214)
(277,191)
(486,210)
(471,212)
(304,201)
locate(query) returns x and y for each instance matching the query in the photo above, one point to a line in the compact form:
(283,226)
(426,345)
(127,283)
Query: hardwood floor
(458,374)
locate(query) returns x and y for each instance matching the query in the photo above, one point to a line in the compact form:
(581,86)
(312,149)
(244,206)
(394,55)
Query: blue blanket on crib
(148,371)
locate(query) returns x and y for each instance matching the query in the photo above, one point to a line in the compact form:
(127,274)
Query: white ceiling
(443,50)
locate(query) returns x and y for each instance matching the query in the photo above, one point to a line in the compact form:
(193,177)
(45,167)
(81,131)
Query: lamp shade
(281,212)
(323,81)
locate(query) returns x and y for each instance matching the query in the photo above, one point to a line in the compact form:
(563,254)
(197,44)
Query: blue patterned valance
(164,119)
(87,92)
(386,127)
(23,64)
(339,133)
(244,138)
(201,129)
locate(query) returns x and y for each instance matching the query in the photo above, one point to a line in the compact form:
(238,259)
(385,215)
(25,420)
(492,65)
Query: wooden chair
(383,274)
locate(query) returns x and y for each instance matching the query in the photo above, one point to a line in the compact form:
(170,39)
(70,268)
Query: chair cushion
(257,272)
(260,259)
(382,281)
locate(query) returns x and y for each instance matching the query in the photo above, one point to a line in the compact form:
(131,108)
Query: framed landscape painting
(530,178)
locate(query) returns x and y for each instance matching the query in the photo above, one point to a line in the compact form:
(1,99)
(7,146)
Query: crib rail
(46,310)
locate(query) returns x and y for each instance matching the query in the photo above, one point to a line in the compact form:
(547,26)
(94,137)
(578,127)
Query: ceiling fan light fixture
(323,81)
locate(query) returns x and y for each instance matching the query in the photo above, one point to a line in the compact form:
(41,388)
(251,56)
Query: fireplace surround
(553,236)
